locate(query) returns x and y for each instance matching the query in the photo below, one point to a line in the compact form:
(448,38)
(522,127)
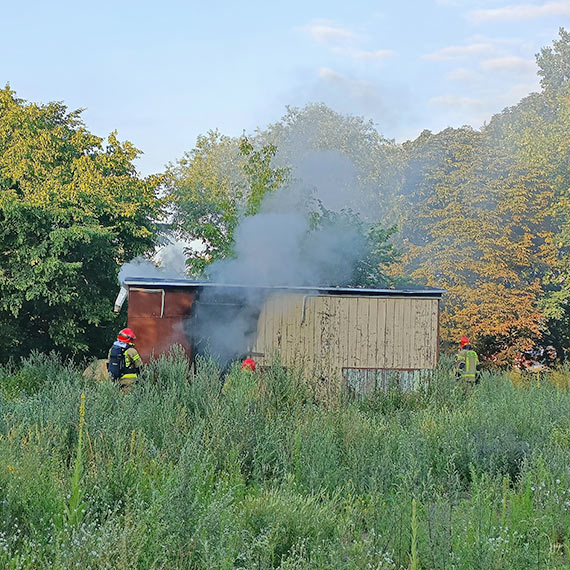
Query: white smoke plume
(279,246)
(168,262)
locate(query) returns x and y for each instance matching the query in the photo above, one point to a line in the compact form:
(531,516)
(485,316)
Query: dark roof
(159,282)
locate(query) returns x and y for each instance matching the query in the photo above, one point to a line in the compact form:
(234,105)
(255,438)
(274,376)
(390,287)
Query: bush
(184,474)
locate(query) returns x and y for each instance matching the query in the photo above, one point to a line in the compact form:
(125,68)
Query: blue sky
(161,73)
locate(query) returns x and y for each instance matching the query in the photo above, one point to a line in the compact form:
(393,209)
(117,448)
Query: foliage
(554,63)
(370,240)
(71,213)
(179,474)
(221,180)
(479,228)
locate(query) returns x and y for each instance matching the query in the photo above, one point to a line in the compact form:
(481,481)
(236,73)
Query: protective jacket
(467,364)
(124,363)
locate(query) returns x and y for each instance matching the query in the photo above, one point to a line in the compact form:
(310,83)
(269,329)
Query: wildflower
(11,468)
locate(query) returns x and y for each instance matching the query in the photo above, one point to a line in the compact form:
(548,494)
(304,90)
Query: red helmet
(126,335)
(463,341)
(248,364)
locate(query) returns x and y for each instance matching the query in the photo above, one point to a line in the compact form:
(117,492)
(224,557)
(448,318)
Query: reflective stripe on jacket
(132,363)
(467,362)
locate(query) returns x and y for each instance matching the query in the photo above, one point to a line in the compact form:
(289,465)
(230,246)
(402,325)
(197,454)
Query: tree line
(482,213)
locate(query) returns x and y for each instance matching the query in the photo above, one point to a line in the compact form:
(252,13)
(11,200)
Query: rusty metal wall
(157,317)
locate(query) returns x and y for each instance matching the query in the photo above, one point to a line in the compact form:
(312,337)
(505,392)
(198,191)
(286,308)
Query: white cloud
(354,88)
(326,33)
(457,101)
(511,64)
(328,73)
(522,12)
(469,50)
(343,42)
(463,75)
(365,55)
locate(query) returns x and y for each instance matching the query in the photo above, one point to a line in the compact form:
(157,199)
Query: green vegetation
(214,186)
(72,211)
(182,474)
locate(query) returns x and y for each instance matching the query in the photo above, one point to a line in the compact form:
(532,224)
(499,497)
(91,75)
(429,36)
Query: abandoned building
(368,338)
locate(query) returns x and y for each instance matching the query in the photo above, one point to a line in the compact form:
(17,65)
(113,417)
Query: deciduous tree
(72,211)
(215,185)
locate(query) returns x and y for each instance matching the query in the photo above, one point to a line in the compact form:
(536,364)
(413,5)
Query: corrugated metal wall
(329,333)
(157,318)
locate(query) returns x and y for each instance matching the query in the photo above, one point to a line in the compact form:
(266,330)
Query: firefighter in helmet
(124,360)
(466,362)
(248,364)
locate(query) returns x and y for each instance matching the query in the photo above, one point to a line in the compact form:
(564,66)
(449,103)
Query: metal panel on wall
(157,317)
(322,333)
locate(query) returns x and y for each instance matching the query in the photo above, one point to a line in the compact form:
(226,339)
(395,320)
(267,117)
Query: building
(368,338)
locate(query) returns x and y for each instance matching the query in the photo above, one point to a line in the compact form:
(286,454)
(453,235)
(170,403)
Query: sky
(162,73)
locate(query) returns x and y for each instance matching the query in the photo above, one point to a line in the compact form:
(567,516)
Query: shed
(369,338)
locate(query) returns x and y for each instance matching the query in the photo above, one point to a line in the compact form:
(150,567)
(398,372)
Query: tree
(215,185)
(71,213)
(554,63)
(537,131)
(358,253)
(314,140)
(479,226)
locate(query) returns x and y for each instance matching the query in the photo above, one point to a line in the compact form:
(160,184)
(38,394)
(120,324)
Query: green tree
(72,211)
(303,133)
(363,252)
(215,185)
(554,63)
(537,132)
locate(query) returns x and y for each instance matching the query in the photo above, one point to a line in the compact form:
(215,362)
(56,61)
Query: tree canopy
(72,211)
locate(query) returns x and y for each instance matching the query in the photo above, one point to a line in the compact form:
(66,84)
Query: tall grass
(259,473)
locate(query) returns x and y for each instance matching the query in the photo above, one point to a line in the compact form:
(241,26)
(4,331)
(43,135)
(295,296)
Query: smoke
(169,262)
(332,177)
(281,246)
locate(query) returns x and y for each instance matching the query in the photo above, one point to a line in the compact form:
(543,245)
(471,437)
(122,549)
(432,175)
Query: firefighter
(248,364)
(124,361)
(466,362)
(232,379)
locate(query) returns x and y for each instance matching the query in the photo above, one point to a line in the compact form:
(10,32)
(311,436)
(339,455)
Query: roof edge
(311,289)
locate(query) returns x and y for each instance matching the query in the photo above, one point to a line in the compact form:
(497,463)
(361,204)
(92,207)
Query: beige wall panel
(344,326)
(352,314)
(381,327)
(373,336)
(356,332)
(335,332)
(389,334)
(307,334)
(322,332)
(363,325)
(287,320)
(422,333)
(395,333)
(431,341)
(406,332)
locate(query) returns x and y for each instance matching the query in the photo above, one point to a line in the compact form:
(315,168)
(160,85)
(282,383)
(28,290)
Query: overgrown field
(262,474)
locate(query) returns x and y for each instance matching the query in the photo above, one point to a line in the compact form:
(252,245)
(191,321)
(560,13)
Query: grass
(261,474)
